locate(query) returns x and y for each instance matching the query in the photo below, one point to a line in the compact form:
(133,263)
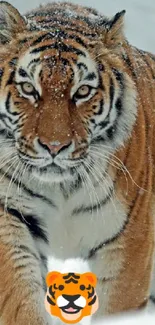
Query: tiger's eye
(82,287)
(27,88)
(83,91)
(61,287)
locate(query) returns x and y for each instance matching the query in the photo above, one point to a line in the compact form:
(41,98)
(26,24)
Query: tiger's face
(59,103)
(71,296)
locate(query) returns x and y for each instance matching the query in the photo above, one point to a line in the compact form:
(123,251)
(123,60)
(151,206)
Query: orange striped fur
(103,213)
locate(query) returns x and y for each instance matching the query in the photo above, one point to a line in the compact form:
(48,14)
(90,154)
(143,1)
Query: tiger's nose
(71,298)
(53,147)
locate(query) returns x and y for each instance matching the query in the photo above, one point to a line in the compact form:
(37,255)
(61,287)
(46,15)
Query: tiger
(77,157)
(71,296)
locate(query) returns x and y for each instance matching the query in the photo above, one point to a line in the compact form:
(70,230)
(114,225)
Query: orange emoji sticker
(71,296)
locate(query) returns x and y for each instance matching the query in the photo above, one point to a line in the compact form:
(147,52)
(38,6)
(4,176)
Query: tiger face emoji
(71,296)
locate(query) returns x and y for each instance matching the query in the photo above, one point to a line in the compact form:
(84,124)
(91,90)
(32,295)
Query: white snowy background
(140,31)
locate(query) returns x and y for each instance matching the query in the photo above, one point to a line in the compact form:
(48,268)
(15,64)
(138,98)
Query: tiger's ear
(51,276)
(114,30)
(92,278)
(11,22)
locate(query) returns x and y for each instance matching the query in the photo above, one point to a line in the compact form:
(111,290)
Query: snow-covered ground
(140,30)
(130,320)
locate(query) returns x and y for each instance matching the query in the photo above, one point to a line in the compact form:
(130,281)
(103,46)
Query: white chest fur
(74,235)
(71,233)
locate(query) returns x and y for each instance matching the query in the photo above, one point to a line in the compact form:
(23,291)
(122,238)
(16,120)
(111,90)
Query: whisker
(19,188)
(89,167)
(124,167)
(11,183)
(4,164)
(105,183)
(111,162)
(86,181)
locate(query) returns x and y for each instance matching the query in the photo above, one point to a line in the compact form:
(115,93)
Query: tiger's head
(71,296)
(64,91)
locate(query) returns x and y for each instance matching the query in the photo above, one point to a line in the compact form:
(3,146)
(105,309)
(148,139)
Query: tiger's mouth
(71,310)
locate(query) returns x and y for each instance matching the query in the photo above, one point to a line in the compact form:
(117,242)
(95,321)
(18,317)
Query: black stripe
(44,282)
(42,38)
(1,74)
(100,85)
(55,22)
(111,93)
(25,40)
(50,301)
(90,76)
(101,67)
(64,61)
(32,193)
(79,31)
(71,280)
(91,294)
(61,34)
(96,207)
(108,241)
(126,59)
(93,122)
(7,105)
(52,293)
(82,65)
(73,275)
(100,111)
(27,250)
(33,61)
(13,62)
(92,301)
(10,79)
(111,131)
(77,39)
(6,134)
(44,260)
(119,106)
(4,117)
(60,47)
(119,77)
(22,73)
(104,123)
(7,102)
(3,133)
(32,223)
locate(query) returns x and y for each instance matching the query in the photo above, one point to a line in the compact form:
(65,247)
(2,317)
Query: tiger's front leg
(21,287)
(124,270)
